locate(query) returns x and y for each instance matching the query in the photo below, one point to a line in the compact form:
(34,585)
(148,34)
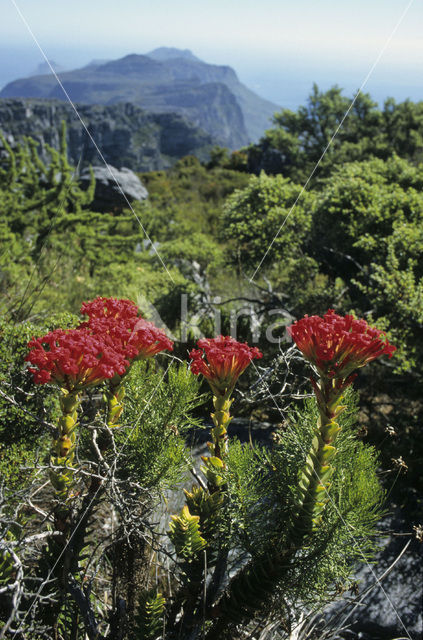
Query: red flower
(222,360)
(111,308)
(147,340)
(120,320)
(337,345)
(74,358)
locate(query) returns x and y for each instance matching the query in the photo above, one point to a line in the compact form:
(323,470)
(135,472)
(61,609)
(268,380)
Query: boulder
(114,188)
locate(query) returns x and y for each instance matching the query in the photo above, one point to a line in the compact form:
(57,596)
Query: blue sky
(278,47)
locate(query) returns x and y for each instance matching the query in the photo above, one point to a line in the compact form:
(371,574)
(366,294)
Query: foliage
(63,252)
(18,462)
(190,194)
(35,198)
(366,230)
(362,131)
(249,489)
(150,615)
(352,242)
(254,214)
(262,494)
(158,413)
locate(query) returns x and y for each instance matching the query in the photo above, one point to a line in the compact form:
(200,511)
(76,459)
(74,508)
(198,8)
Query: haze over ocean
(277,49)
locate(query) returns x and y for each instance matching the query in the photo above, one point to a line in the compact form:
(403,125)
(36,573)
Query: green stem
(214,464)
(254,585)
(221,420)
(62,453)
(114,398)
(206,504)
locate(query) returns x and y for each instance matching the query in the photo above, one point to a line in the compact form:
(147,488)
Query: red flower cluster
(222,360)
(147,340)
(119,319)
(337,345)
(74,358)
(110,308)
(98,349)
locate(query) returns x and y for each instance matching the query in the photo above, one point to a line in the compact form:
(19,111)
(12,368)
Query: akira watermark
(265,325)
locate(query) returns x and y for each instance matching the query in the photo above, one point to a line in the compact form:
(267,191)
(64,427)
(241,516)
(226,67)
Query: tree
(367,230)
(253,215)
(298,139)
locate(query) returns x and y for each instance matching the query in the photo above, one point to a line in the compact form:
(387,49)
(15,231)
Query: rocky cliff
(165,80)
(127,135)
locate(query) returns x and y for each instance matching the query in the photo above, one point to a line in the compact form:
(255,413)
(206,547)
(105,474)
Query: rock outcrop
(114,188)
(126,134)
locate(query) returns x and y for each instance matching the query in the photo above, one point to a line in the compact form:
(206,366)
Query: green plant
(261,532)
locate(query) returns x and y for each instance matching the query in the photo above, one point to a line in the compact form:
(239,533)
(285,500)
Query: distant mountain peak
(170,53)
(96,62)
(132,63)
(165,80)
(45,68)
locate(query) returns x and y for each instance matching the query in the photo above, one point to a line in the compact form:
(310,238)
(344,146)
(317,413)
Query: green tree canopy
(362,129)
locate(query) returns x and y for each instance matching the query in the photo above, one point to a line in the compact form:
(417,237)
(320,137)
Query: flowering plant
(338,345)
(282,511)
(75,358)
(221,361)
(120,319)
(100,349)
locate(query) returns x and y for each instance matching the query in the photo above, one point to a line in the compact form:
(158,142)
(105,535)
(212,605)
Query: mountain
(44,67)
(167,53)
(165,80)
(126,134)
(96,62)
(257,111)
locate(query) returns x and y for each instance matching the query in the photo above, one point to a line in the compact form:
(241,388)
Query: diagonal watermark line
(97,148)
(366,592)
(325,150)
(37,595)
(348,526)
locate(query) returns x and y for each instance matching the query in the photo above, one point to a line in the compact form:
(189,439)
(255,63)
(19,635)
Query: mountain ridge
(167,53)
(165,80)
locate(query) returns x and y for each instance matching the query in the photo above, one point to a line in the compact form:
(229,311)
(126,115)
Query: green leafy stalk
(149,622)
(114,398)
(214,464)
(62,454)
(314,481)
(221,420)
(195,529)
(255,585)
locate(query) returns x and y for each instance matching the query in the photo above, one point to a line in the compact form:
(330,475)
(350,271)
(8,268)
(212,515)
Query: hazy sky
(277,46)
